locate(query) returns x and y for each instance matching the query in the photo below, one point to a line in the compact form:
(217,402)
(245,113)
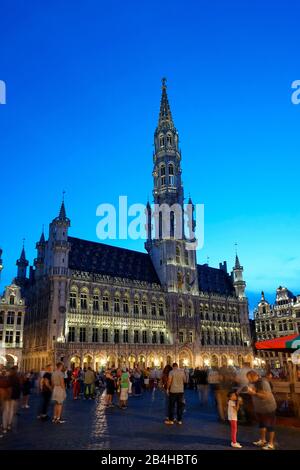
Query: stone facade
(274,320)
(12,313)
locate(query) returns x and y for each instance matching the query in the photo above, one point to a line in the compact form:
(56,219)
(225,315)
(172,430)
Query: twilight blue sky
(83,91)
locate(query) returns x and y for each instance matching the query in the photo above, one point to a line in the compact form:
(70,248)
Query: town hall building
(89,303)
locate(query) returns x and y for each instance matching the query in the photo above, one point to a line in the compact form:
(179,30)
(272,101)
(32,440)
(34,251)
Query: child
(233,407)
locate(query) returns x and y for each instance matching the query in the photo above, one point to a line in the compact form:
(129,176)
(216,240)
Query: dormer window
(11,300)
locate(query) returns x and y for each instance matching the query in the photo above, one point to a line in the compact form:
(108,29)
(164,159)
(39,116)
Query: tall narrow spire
(22,264)
(165,120)
(42,239)
(237,262)
(62,212)
(23,255)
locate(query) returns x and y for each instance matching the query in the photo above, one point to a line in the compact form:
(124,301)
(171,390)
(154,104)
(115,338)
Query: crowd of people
(239,394)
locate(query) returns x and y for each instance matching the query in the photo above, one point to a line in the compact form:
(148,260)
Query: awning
(284,342)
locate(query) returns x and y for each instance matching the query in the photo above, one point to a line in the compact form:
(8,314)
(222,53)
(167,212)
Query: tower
(238,281)
(39,262)
(56,265)
(169,245)
(22,264)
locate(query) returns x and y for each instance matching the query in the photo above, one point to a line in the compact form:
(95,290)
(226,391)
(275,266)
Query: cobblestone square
(89,425)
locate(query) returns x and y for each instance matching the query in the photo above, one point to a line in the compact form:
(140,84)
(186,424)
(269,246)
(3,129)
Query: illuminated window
(117,304)
(136,338)
(95,335)
(144,337)
(71,334)
(125,336)
(83,301)
(105,303)
(116,336)
(82,335)
(10,318)
(144,307)
(72,299)
(18,337)
(105,335)
(9,337)
(125,305)
(161,309)
(96,302)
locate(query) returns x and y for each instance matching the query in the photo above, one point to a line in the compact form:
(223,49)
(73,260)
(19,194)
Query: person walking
(124,384)
(202,386)
(89,381)
(176,381)
(264,407)
(11,403)
(164,381)
(232,412)
(46,392)
(137,386)
(76,382)
(110,388)
(26,386)
(59,392)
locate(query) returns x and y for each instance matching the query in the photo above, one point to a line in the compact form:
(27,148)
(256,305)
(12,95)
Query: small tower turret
(22,264)
(238,280)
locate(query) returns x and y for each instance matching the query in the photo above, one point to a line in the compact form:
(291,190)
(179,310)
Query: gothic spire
(237,262)
(42,239)
(23,255)
(62,213)
(165,120)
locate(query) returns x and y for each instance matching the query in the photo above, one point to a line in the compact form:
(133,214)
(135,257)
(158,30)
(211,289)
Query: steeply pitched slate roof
(214,280)
(111,260)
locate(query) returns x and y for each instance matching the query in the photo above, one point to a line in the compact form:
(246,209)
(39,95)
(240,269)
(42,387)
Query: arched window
(171,175)
(12,300)
(169,139)
(190,310)
(163,175)
(105,303)
(126,305)
(161,141)
(73,299)
(83,301)
(117,304)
